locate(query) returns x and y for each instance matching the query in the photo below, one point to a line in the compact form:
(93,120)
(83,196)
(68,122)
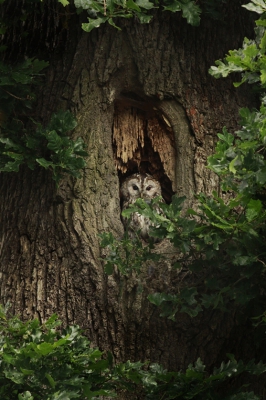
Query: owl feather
(139,186)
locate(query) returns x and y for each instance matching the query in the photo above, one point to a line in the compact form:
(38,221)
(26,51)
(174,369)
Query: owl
(134,187)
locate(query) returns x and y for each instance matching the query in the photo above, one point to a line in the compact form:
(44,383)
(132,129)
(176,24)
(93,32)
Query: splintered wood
(140,137)
(128,137)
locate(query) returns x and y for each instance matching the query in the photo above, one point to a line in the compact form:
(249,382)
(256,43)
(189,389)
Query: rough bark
(50,254)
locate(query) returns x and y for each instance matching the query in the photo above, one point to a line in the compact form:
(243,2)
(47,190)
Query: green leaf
(254,208)
(62,122)
(37,65)
(27,371)
(51,380)
(8,358)
(83,4)
(188,294)
(250,51)
(111,22)
(54,141)
(237,84)
(64,2)
(191,11)
(108,268)
(173,6)
(226,137)
(93,23)
(14,376)
(257,6)
(224,69)
(15,156)
(261,176)
(44,348)
(10,144)
(159,298)
(11,166)
(25,396)
(44,163)
(231,165)
(132,5)
(21,78)
(263,76)
(261,22)
(144,4)
(177,203)
(143,18)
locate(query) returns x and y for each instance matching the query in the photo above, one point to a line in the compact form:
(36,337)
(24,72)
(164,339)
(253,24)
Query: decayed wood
(162,140)
(133,130)
(128,137)
(144,141)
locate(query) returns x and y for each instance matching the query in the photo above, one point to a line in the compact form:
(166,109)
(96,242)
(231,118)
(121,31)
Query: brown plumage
(134,187)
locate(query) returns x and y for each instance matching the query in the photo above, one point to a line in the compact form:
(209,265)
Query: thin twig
(18,98)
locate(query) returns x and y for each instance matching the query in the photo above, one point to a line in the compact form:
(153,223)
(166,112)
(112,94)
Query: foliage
(106,11)
(225,251)
(224,246)
(101,11)
(16,86)
(49,147)
(196,383)
(39,362)
(222,241)
(48,362)
(123,254)
(239,159)
(250,60)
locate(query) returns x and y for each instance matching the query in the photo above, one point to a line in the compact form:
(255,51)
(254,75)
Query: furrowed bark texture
(50,253)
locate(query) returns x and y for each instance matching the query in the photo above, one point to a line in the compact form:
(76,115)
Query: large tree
(143,100)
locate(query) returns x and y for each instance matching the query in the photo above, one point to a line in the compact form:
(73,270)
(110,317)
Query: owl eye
(148,188)
(135,187)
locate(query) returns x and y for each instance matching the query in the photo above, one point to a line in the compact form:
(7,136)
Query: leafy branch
(106,11)
(222,242)
(126,254)
(49,147)
(48,362)
(250,60)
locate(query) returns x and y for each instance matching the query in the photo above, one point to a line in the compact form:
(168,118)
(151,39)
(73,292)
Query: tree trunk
(155,74)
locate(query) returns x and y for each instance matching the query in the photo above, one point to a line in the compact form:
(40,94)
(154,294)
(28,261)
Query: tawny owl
(134,187)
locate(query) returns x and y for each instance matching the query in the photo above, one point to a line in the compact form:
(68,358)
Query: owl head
(140,186)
